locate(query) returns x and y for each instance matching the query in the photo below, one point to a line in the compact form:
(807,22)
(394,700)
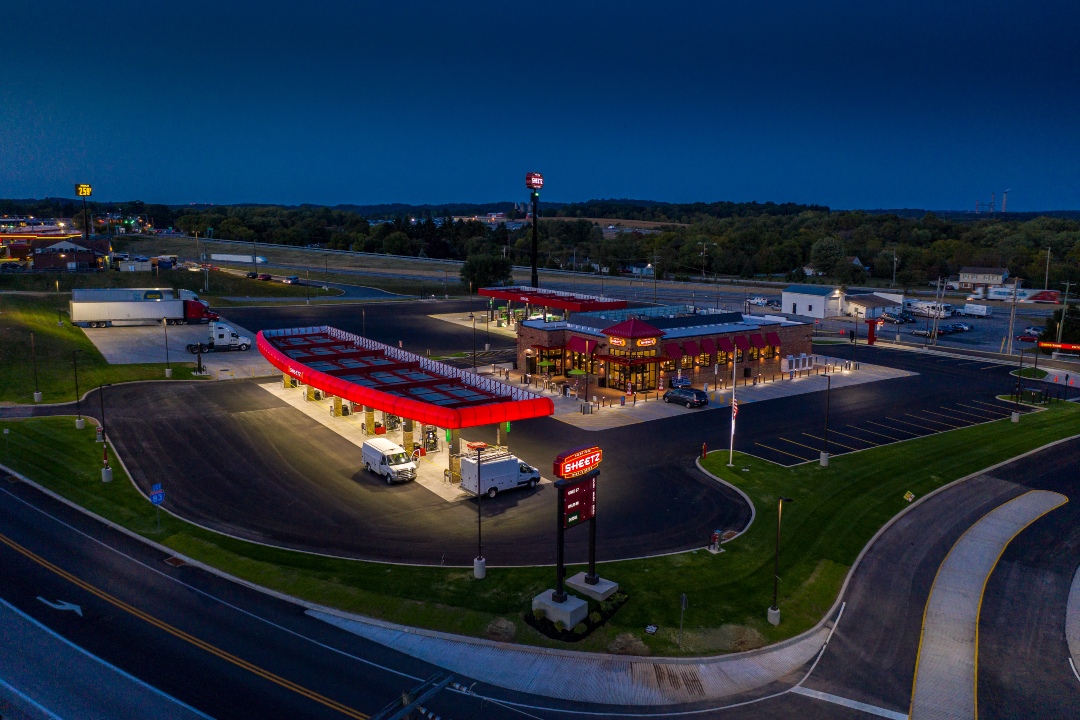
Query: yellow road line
(817,450)
(832,442)
(783,452)
(855,437)
(890,427)
(888,437)
(186,637)
(949,416)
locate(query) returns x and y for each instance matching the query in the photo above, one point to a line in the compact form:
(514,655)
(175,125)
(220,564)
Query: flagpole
(734,407)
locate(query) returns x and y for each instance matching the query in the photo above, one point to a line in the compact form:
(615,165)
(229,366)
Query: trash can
(622,400)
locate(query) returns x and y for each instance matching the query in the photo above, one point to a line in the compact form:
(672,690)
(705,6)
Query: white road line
(1074,669)
(853,704)
(26,699)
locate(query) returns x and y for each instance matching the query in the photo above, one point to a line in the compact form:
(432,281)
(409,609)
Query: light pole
(479,564)
(1064,310)
(168,367)
(828,392)
(59,317)
(79,422)
(774,611)
(106,471)
(33,358)
(473,318)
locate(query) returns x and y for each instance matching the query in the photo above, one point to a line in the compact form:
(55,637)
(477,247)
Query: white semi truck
(499,470)
(98,308)
(245,259)
(222,338)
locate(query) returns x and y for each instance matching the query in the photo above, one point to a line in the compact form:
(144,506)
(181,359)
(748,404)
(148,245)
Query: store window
(753,353)
(769,352)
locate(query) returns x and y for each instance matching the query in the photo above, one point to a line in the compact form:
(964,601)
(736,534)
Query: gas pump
(431,438)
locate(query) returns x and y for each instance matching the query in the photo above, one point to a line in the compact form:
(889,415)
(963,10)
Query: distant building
(816,301)
(872,305)
(66,255)
(973,277)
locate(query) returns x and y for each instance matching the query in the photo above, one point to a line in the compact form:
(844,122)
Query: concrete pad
(602,590)
(146,344)
(462,320)
(569,612)
(429,471)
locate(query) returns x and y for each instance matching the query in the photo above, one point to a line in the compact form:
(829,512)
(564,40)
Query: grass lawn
(21,315)
(1030,372)
(834,512)
(221,283)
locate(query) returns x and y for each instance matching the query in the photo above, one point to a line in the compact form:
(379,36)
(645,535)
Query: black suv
(690,397)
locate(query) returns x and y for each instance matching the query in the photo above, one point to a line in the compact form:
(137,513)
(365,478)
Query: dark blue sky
(850,104)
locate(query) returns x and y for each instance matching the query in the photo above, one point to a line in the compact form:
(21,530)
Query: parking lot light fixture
(774,611)
(828,392)
(79,422)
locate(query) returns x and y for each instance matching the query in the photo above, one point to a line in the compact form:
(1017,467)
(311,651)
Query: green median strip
(834,513)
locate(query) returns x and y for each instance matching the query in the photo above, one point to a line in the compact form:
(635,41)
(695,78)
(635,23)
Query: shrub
(581,629)
(606,607)
(539,614)
(559,626)
(594,617)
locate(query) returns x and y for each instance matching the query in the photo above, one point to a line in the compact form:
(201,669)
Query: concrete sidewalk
(584,677)
(945,671)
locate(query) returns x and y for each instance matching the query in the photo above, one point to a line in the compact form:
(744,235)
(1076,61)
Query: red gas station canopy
(389,379)
(571,302)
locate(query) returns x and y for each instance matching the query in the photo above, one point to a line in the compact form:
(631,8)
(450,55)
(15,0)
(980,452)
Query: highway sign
(157,494)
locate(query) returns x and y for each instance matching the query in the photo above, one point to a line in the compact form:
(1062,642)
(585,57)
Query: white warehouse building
(816,301)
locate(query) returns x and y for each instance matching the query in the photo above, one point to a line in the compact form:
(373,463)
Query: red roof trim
(550,298)
(633,328)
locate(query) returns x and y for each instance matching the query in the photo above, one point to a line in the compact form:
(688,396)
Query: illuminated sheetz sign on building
(646,342)
(617,341)
(534,181)
(577,462)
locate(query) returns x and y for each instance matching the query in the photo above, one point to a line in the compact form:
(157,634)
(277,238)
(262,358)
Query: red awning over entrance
(619,360)
(691,348)
(742,343)
(773,339)
(708,346)
(726,345)
(581,345)
(673,350)
(757,341)
(572,302)
(389,379)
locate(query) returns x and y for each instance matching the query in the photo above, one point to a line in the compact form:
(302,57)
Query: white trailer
(970,310)
(118,294)
(246,259)
(102,313)
(499,470)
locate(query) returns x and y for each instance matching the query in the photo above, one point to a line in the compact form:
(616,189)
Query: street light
(473,318)
(774,611)
(828,392)
(106,471)
(59,317)
(480,564)
(79,422)
(168,367)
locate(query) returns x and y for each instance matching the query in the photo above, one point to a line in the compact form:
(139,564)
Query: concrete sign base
(601,591)
(570,612)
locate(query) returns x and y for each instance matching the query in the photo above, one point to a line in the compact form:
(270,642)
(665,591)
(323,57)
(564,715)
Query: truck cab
(223,337)
(388,460)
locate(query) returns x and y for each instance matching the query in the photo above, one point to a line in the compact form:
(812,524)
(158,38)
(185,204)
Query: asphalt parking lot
(236,459)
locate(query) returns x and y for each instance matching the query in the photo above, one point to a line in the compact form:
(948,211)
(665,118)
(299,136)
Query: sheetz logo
(577,462)
(617,341)
(646,342)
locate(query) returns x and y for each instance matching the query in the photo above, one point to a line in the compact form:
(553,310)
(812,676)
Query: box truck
(388,459)
(245,259)
(499,470)
(970,310)
(136,306)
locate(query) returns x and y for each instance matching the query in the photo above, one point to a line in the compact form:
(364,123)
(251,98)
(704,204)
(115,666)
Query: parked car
(923,333)
(1034,330)
(677,381)
(758,301)
(775,304)
(291,280)
(906,317)
(893,319)
(252,275)
(1026,337)
(265,276)
(962,326)
(690,397)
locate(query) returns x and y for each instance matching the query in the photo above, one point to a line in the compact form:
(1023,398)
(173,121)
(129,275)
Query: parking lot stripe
(987,412)
(856,437)
(782,452)
(890,427)
(963,420)
(932,420)
(832,442)
(800,444)
(1000,408)
(888,437)
(905,422)
(979,418)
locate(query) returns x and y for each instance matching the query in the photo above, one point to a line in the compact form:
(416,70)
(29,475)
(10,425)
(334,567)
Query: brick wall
(527,337)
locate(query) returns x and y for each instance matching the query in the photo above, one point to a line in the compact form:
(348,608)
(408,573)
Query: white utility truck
(222,337)
(386,458)
(499,470)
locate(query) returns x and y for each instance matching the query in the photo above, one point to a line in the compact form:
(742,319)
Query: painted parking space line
(832,442)
(983,410)
(979,418)
(921,427)
(932,421)
(890,427)
(856,437)
(1001,408)
(853,704)
(793,442)
(782,452)
(887,437)
(957,419)
(990,367)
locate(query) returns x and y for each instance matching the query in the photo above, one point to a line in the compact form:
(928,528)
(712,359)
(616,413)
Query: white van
(499,470)
(388,459)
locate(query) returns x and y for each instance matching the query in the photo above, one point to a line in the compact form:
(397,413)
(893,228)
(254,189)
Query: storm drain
(175,561)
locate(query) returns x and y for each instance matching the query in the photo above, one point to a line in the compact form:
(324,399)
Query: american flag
(734,408)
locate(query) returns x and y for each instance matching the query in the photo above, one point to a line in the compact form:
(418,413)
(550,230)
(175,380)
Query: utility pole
(656,259)
(939,296)
(1046,280)
(1065,310)
(893,268)
(1012,312)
